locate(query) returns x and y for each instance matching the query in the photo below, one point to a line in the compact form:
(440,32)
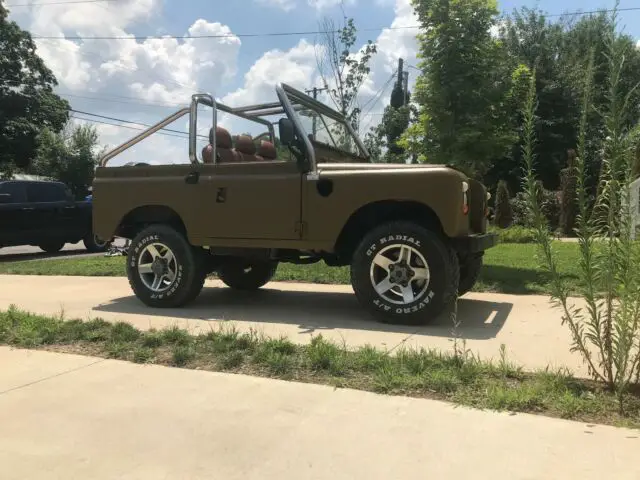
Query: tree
(463,84)
(342,70)
(504,215)
(568,207)
(70,156)
(27,102)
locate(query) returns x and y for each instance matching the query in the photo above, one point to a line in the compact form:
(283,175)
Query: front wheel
(470,268)
(164,270)
(94,244)
(245,274)
(403,273)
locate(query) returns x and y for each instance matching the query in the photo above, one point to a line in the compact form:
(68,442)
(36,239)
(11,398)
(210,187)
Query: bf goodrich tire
(470,268)
(242,274)
(403,273)
(164,270)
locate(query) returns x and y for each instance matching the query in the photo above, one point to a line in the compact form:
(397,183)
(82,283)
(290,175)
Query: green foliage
(607,331)
(342,70)
(463,86)
(27,102)
(516,234)
(504,215)
(70,156)
(549,205)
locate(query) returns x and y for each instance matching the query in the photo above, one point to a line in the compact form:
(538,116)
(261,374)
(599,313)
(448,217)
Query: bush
(516,234)
(549,204)
(504,214)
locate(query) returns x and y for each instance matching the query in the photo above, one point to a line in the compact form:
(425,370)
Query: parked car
(45,214)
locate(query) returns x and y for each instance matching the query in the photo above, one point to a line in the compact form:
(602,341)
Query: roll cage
(257,113)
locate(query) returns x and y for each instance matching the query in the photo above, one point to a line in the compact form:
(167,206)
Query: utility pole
(315,91)
(405,86)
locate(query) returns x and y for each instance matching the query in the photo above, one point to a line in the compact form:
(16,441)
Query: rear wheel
(247,274)
(52,246)
(164,270)
(403,273)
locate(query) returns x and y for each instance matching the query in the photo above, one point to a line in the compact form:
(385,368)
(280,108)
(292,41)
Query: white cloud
(327,4)
(286,5)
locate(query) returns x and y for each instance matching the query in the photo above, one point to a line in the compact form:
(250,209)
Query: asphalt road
(26,252)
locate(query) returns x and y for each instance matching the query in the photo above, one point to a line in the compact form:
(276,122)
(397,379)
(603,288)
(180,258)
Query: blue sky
(143,80)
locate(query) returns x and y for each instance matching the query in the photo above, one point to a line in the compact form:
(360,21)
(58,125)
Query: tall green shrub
(606,331)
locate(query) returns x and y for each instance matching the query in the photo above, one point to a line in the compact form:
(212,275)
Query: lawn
(418,373)
(509,268)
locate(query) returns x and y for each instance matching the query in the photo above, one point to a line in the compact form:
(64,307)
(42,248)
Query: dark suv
(44,214)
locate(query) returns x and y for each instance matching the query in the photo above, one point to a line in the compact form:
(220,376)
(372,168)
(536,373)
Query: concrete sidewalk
(528,326)
(70,417)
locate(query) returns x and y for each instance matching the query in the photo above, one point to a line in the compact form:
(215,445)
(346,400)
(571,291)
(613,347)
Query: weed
(324,355)
(97,330)
(370,359)
(182,354)
(152,339)
(232,359)
(176,336)
(124,332)
(143,355)
(117,349)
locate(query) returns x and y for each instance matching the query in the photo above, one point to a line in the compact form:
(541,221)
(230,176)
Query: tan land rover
(413,235)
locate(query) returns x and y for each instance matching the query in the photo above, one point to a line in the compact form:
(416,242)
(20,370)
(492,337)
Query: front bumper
(475,243)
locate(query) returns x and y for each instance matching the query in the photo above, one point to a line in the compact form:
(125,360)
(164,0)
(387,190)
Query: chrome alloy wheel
(399,274)
(157,267)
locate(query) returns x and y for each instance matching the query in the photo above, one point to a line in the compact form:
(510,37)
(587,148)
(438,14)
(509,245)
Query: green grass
(419,373)
(509,268)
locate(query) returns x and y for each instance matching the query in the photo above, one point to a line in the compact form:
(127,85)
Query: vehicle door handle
(192,178)
(28,208)
(69,208)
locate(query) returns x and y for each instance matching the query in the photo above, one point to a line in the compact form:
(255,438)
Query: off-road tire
(190,265)
(52,246)
(442,263)
(470,268)
(92,245)
(246,274)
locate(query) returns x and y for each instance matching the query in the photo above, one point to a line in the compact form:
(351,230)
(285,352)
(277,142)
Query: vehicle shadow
(314,312)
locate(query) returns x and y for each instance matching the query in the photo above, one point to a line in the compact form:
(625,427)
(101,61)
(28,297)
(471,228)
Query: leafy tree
(569,207)
(70,156)
(342,70)
(462,88)
(503,213)
(27,102)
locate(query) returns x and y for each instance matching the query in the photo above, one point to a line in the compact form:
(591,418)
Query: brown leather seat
(267,151)
(246,149)
(224,145)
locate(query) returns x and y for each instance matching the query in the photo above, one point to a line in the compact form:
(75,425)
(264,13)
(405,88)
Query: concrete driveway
(70,417)
(527,325)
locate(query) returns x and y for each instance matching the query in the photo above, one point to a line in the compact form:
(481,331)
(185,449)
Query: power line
(134,123)
(283,34)
(37,4)
(102,122)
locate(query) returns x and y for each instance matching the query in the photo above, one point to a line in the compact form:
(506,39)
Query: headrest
(267,150)
(244,144)
(223,138)
(207,154)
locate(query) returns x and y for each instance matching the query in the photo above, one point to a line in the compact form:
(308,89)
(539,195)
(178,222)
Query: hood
(386,167)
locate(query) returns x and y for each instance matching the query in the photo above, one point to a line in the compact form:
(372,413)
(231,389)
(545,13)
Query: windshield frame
(288,95)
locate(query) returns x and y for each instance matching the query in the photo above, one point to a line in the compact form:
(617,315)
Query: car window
(46,192)
(16,190)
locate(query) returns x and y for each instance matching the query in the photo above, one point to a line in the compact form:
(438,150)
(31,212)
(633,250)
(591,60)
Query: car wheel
(164,270)
(403,273)
(470,268)
(52,246)
(246,274)
(95,244)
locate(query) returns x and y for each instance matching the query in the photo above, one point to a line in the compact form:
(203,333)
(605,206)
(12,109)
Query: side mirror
(286,131)
(5,198)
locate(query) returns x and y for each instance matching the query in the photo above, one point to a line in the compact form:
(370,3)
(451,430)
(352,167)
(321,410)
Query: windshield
(326,127)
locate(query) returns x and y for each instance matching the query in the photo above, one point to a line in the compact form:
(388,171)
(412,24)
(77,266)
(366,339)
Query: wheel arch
(376,213)
(140,217)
